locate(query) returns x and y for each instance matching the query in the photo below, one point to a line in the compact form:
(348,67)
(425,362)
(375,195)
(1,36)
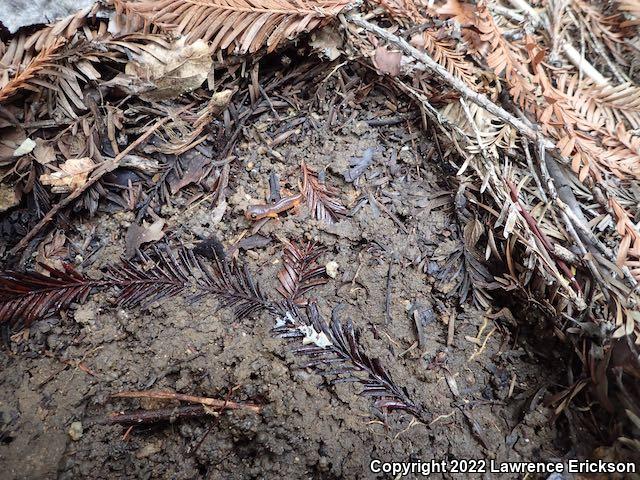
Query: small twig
(126,434)
(387,302)
(268,100)
(142,417)
(523,126)
(451,328)
(568,225)
(573,220)
(546,243)
(395,120)
(386,210)
(209,402)
(536,179)
(417,323)
(206,434)
(578,59)
(583,64)
(274,188)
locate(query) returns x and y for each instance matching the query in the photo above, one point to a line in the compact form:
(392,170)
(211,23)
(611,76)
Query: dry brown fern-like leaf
(163,273)
(504,57)
(603,27)
(334,350)
(22,48)
(63,28)
(56,60)
(444,52)
(24,76)
(621,152)
(604,104)
(26,297)
(556,104)
(629,248)
(242,26)
(320,197)
(581,136)
(401,10)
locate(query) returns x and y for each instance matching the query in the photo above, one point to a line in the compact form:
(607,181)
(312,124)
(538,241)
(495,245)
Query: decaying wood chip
(72,175)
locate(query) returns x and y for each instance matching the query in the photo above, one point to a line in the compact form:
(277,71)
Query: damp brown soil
(482,391)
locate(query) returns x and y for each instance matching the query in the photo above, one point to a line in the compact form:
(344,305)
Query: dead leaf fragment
(76,431)
(25,147)
(43,152)
(173,71)
(51,252)
(72,174)
(196,165)
(139,234)
(328,42)
(387,61)
(332,268)
(218,213)
(10,141)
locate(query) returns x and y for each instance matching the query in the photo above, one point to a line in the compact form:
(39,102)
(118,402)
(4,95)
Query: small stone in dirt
(332,268)
(239,199)
(53,341)
(85,316)
(76,431)
(361,128)
(149,449)
(252,254)
(323,464)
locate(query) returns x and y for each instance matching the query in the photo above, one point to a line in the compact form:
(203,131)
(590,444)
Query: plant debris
(140,139)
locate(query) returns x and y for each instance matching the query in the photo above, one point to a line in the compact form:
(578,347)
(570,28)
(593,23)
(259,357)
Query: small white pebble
(25,147)
(332,268)
(75,431)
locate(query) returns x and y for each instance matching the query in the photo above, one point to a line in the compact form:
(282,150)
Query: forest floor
(482,380)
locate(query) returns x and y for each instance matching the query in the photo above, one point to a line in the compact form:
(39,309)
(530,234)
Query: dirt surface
(64,370)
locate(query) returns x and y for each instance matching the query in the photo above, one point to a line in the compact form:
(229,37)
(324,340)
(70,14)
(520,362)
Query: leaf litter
(147,128)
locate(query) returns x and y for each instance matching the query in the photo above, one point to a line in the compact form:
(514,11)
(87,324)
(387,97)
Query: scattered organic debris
(320,197)
(139,106)
(205,406)
(334,349)
(30,296)
(300,271)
